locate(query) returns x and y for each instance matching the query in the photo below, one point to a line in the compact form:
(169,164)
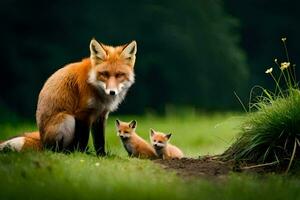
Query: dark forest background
(190,53)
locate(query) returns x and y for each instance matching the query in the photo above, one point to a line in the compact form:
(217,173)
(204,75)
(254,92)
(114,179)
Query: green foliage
(185,49)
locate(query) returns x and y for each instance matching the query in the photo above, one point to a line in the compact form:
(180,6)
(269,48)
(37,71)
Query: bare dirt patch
(211,167)
(206,167)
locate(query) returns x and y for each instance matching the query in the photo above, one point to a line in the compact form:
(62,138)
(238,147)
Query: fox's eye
(160,142)
(154,140)
(120,75)
(126,132)
(104,74)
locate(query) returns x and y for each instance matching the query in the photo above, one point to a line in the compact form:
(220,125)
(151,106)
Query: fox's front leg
(98,132)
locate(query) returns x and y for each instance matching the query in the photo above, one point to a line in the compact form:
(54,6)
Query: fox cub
(163,148)
(134,144)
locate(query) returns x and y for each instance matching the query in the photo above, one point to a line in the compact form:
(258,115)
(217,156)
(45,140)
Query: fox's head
(112,67)
(159,140)
(125,129)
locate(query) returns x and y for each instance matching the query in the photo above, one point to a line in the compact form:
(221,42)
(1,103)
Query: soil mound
(207,167)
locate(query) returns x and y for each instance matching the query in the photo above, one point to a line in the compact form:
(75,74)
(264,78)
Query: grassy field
(48,175)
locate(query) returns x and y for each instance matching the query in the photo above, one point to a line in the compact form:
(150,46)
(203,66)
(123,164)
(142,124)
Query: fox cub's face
(159,140)
(124,129)
(112,67)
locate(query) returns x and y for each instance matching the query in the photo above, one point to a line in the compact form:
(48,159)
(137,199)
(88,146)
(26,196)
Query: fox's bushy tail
(19,143)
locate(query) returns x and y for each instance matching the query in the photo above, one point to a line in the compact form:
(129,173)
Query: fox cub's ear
(129,50)
(168,135)
(117,122)
(133,124)
(97,51)
(152,132)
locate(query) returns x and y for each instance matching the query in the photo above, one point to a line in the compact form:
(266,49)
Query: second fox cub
(164,149)
(134,144)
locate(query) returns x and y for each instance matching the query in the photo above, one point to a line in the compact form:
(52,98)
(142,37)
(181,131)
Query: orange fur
(27,141)
(133,143)
(32,141)
(164,149)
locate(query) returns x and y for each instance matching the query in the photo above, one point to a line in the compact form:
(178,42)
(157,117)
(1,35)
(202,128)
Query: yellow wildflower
(269,71)
(284,65)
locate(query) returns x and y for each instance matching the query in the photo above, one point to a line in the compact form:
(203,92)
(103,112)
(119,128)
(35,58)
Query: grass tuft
(271,133)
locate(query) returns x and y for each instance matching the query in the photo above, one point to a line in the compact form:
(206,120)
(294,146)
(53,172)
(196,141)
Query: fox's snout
(112,86)
(158,145)
(112,92)
(124,136)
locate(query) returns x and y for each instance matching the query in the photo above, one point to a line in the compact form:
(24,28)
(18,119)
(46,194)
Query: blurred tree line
(188,51)
(262,25)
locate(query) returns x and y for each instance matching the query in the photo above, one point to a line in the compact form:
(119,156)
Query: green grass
(196,135)
(48,175)
(272,134)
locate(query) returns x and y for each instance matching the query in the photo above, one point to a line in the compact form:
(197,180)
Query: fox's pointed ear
(151,132)
(97,50)
(129,50)
(168,135)
(117,122)
(133,124)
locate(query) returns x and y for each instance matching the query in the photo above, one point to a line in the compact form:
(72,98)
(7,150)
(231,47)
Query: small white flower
(81,161)
(97,164)
(268,71)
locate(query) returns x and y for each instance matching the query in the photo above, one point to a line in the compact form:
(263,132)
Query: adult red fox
(163,148)
(79,97)
(132,142)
